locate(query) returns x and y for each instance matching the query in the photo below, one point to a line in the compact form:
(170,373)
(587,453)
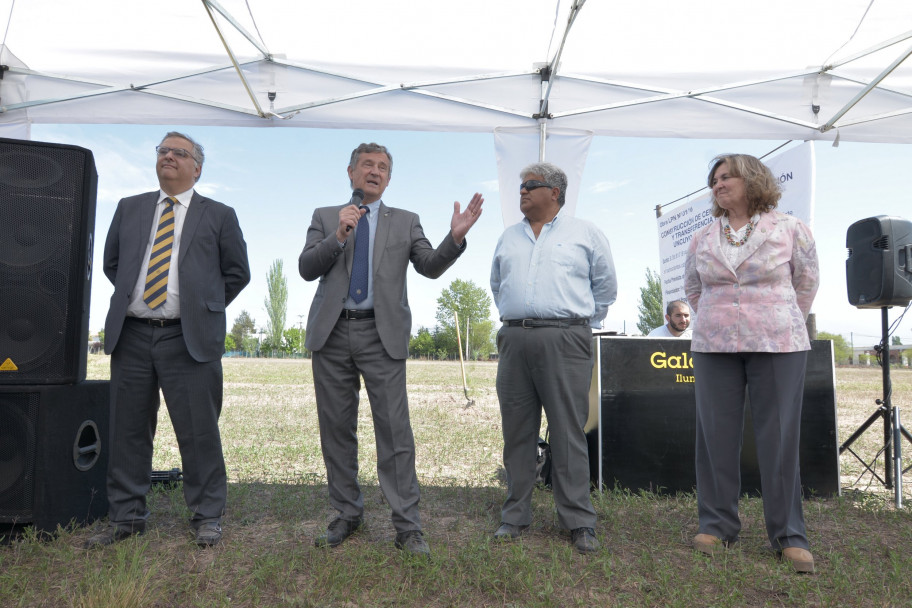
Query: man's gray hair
(552,174)
(196,150)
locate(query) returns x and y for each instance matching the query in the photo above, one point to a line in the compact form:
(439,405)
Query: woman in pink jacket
(750,277)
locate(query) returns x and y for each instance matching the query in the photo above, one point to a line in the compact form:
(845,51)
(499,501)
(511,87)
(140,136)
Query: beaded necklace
(728,232)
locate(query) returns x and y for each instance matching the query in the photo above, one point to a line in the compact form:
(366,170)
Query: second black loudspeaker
(879,264)
(54,453)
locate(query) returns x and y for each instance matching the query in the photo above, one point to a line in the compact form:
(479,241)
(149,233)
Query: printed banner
(795,170)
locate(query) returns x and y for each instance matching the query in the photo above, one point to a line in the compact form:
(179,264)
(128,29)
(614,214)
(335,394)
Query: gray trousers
(546,367)
(352,349)
(775,382)
(146,359)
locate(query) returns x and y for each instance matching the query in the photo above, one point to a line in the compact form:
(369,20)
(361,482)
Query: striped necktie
(160,259)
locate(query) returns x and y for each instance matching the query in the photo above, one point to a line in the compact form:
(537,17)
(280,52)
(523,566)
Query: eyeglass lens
(179,152)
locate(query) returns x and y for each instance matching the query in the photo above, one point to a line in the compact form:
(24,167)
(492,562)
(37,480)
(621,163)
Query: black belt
(155,322)
(351,313)
(530,323)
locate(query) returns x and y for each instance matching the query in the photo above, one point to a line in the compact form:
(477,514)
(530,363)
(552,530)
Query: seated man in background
(677,314)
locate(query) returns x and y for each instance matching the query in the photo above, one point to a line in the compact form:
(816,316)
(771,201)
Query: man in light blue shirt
(553,280)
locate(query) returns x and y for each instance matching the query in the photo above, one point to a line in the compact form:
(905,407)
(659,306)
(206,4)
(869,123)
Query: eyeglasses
(532,184)
(178,152)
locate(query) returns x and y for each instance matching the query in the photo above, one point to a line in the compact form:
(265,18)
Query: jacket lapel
(382,235)
(147,217)
(715,245)
(349,250)
(759,235)
(195,212)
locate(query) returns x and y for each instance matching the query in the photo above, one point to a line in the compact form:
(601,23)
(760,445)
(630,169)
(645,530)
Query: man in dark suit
(359,324)
(176,260)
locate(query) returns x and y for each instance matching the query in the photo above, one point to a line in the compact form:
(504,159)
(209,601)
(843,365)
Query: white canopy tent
(813,69)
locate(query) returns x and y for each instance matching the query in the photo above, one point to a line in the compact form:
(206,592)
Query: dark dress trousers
(183,360)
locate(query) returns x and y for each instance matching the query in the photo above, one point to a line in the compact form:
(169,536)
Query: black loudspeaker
(879,266)
(54,454)
(47,221)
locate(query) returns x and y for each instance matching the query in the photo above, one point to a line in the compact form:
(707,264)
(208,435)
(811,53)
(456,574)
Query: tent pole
(861,94)
(234,62)
(542,136)
(551,70)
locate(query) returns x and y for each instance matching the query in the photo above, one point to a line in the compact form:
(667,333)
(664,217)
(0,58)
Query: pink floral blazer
(762,305)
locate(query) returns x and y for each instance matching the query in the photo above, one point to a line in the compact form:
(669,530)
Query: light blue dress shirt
(372,218)
(567,272)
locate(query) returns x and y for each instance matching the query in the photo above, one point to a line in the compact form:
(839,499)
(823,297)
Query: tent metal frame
(547,76)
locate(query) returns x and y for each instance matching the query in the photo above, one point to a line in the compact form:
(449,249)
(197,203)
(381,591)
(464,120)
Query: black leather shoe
(413,542)
(584,540)
(112,534)
(208,534)
(509,531)
(338,530)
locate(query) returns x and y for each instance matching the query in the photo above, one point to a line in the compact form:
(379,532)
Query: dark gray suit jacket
(212,262)
(399,240)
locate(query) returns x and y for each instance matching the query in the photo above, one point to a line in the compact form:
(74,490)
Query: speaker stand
(893,429)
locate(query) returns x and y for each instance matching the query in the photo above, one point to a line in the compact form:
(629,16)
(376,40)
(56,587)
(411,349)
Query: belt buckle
(524,326)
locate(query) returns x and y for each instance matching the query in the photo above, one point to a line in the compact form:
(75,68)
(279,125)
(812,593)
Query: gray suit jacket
(400,240)
(212,261)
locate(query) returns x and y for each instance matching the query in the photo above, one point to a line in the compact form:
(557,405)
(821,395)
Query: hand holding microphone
(350,214)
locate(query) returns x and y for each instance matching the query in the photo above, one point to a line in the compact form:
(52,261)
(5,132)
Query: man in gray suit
(176,260)
(359,324)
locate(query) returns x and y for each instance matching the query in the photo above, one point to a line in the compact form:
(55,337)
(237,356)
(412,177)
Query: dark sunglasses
(532,184)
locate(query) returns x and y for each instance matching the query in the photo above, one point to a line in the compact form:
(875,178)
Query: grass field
(277,505)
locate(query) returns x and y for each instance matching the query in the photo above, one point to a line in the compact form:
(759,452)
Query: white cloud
(490,185)
(606,186)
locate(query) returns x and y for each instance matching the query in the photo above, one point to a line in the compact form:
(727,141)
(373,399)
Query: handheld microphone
(356,199)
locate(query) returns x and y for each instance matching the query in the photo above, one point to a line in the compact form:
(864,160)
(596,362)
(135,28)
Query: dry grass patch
(278,504)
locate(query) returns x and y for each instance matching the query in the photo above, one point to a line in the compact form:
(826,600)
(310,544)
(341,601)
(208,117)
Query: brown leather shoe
(801,559)
(708,544)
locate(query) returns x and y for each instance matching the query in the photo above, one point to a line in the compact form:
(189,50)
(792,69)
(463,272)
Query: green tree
(242,330)
(293,341)
(650,306)
(473,304)
(276,303)
(422,344)
(229,343)
(897,341)
(842,352)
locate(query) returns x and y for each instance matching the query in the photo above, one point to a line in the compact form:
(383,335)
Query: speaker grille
(18,423)
(47,213)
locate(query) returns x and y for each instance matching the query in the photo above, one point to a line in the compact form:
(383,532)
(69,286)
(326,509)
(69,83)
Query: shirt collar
(183,198)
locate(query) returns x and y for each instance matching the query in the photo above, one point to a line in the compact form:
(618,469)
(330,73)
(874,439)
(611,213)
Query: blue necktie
(357,289)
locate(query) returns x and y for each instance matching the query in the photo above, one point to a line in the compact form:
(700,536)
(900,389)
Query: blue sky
(276,177)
